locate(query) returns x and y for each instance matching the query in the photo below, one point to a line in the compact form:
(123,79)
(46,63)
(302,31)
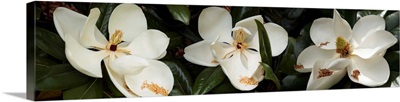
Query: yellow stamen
(240,35)
(248,81)
(116,38)
(154,88)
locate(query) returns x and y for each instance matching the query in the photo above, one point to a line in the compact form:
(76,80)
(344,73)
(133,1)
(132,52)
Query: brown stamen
(324,73)
(298,66)
(344,53)
(248,81)
(214,61)
(355,74)
(155,88)
(324,44)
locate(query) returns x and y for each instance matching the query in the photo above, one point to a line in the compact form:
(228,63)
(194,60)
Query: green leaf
(239,13)
(180,12)
(270,75)
(153,19)
(396,33)
(183,80)
(294,13)
(175,92)
(92,89)
(265,47)
(51,43)
(303,41)
(106,10)
(370,12)
(392,21)
(59,77)
(393,60)
(175,39)
(208,79)
(350,16)
(295,82)
(38,11)
(225,87)
(288,59)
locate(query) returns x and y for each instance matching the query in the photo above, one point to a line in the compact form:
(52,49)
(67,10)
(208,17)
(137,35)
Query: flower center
(248,81)
(342,47)
(324,73)
(154,88)
(116,38)
(240,37)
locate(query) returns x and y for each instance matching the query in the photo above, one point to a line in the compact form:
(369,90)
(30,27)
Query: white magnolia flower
(358,50)
(130,54)
(236,52)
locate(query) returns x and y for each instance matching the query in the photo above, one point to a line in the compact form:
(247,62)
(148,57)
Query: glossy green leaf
(370,12)
(225,87)
(180,12)
(295,81)
(265,46)
(303,41)
(183,80)
(207,80)
(396,33)
(270,75)
(393,60)
(50,43)
(288,59)
(59,77)
(90,90)
(294,13)
(349,15)
(239,13)
(154,21)
(175,39)
(106,10)
(175,92)
(38,12)
(392,21)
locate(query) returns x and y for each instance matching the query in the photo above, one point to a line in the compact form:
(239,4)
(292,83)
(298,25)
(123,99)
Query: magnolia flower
(236,52)
(130,54)
(357,51)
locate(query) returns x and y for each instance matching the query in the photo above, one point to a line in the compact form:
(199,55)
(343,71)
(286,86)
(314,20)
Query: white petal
(250,23)
(278,38)
(67,21)
(341,26)
(88,35)
(375,44)
(118,80)
(396,82)
(259,74)
(200,53)
(222,51)
(162,55)
(149,45)
(373,71)
(250,61)
(234,70)
(322,34)
(312,54)
(214,21)
(367,25)
(129,65)
(128,18)
(82,59)
(338,68)
(157,73)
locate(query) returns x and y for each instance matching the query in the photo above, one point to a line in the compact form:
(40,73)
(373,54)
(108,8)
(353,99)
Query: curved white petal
(259,74)
(322,33)
(341,26)
(200,53)
(128,18)
(162,55)
(375,44)
(235,71)
(312,54)
(214,21)
(118,80)
(250,23)
(222,51)
(88,35)
(278,38)
(367,25)
(129,65)
(157,73)
(372,72)
(67,21)
(250,61)
(254,43)
(82,59)
(338,68)
(149,45)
